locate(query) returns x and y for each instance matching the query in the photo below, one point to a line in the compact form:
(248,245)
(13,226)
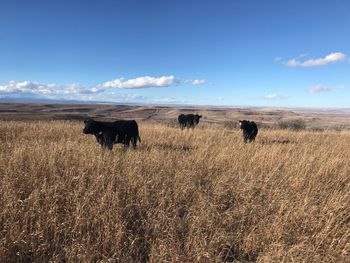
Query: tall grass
(197,195)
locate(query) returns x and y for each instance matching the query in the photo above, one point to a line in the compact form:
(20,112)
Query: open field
(197,195)
(313,118)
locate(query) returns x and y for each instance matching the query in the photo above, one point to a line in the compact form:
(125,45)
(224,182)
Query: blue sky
(239,53)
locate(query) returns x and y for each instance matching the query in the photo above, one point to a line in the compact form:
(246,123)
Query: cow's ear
(200,116)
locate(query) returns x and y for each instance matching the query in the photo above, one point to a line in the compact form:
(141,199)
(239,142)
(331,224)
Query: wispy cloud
(319,89)
(196,81)
(136,98)
(278,59)
(169,100)
(124,97)
(323,88)
(330,58)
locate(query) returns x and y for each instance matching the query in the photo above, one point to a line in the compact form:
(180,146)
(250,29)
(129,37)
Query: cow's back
(127,127)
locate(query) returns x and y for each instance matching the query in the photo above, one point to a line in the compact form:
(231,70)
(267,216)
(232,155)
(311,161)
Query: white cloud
(271,96)
(72,88)
(274,96)
(108,91)
(196,81)
(330,58)
(33,87)
(137,83)
(27,87)
(36,88)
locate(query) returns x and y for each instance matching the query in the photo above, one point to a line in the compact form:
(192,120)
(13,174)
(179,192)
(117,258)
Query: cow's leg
(126,146)
(245,137)
(126,142)
(104,145)
(110,146)
(252,136)
(100,138)
(108,138)
(134,142)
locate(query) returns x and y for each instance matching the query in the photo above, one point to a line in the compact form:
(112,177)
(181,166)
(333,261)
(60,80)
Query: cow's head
(91,127)
(196,118)
(243,124)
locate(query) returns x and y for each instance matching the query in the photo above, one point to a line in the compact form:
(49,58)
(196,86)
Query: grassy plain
(197,195)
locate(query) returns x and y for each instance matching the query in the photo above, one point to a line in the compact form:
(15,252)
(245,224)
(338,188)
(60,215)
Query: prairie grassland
(197,195)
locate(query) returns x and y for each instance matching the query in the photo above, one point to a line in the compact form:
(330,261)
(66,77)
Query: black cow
(250,130)
(188,120)
(109,133)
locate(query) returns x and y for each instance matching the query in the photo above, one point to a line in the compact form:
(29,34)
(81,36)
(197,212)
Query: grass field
(197,195)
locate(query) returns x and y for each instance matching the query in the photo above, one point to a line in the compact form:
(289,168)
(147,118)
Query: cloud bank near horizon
(105,91)
(143,82)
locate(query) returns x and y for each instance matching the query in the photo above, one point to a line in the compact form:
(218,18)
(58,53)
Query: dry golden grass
(198,195)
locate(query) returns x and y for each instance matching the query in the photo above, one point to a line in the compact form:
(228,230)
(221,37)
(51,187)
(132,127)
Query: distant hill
(19,109)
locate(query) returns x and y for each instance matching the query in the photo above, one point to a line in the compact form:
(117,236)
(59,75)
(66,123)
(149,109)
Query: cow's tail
(138,137)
